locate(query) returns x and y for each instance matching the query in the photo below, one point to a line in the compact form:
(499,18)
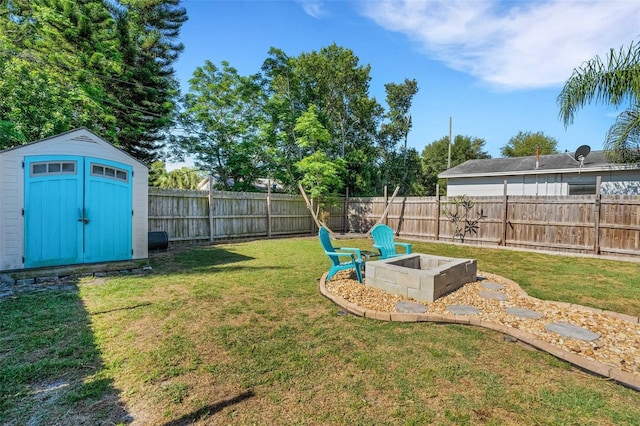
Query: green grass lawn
(239,334)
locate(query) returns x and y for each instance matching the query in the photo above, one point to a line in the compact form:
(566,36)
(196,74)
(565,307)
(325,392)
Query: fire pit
(420,276)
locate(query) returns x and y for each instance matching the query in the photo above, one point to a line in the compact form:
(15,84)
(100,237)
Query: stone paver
(492,295)
(524,313)
(463,309)
(492,286)
(573,331)
(410,308)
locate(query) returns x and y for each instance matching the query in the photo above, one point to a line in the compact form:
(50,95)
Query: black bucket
(158,241)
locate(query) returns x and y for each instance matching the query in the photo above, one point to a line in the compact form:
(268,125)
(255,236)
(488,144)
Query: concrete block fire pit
(420,276)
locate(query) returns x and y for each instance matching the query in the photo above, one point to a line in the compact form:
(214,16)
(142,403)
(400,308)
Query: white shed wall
(10,212)
(79,142)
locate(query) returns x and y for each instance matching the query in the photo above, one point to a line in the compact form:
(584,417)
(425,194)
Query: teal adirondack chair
(383,241)
(355,260)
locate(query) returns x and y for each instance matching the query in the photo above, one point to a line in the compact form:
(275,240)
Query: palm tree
(615,82)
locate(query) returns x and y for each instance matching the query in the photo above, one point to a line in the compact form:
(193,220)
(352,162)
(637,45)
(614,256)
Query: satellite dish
(581,153)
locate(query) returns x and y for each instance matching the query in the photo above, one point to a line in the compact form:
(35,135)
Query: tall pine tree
(53,56)
(146,92)
(102,64)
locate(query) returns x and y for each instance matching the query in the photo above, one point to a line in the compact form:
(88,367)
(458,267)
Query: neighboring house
(71,199)
(261,185)
(552,175)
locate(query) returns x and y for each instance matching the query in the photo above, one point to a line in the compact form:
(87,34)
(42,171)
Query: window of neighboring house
(582,189)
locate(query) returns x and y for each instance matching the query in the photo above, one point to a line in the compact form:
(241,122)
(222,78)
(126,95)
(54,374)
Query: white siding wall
(80,143)
(11,202)
(613,183)
(621,183)
(140,204)
(516,185)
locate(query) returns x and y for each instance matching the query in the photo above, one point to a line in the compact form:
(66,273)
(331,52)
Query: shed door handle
(83,216)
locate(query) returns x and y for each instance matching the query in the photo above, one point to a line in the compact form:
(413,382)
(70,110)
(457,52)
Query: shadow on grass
(208,256)
(201,259)
(50,366)
(210,410)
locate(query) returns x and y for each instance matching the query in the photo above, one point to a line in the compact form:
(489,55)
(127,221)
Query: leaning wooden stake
(318,222)
(386,210)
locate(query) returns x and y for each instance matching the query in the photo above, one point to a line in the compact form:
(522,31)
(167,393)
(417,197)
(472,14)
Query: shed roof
(79,134)
(595,161)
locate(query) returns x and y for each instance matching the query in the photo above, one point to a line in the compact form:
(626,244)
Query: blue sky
(494,67)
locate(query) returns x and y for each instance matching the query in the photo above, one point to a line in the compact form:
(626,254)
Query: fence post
(596,216)
(312,222)
(269,208)
(437,212)
(386,201)
(211,230)
(345,228)
(504,214)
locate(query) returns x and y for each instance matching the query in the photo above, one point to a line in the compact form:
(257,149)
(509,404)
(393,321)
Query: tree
(321,176)
(157,172)
(145,91)
(403,168)
(526,143)
(52,57)
(101,64)
(224,114)
(9,136)
(283,107)
(182,178)
(263,125)
(333,81)
(311,133)
(615,81)
(399,98)
(435,158)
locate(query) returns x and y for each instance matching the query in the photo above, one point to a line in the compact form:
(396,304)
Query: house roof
(595,161)
(261,184)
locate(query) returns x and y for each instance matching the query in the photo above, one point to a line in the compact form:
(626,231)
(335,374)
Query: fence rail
(597,224)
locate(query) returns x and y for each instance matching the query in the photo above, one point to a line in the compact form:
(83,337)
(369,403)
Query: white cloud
(314,8)
(512,44)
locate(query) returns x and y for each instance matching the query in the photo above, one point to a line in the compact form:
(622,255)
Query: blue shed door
(77,210)
(53,201)
(107,213)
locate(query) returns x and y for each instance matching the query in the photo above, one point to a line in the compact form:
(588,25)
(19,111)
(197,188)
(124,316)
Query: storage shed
(71,199)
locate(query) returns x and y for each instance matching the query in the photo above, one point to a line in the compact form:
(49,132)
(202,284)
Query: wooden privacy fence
(597,224)
(191,216)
